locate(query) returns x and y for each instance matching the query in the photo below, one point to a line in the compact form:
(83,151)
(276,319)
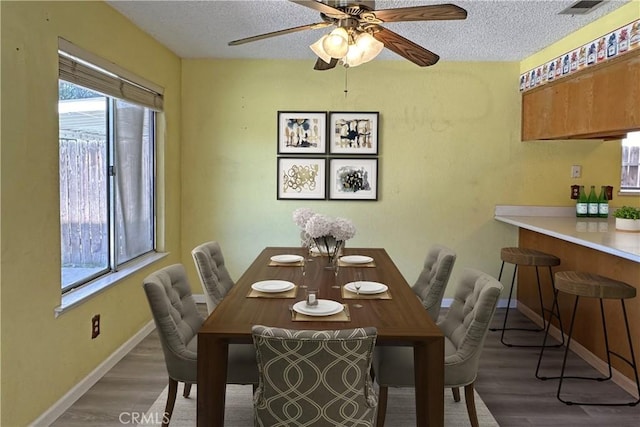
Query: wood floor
(506,383)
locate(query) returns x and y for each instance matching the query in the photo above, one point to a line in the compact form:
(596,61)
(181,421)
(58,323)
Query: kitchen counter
(595,233)
(591,245)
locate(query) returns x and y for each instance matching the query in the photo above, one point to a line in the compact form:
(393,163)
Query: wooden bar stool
(589,285)
(533,258)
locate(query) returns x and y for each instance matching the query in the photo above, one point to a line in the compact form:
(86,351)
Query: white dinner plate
(356,259)
(272,286)
(367,287)
(286,259)
(325,307)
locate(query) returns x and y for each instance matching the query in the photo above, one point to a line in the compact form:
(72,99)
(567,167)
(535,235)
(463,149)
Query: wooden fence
(83,202)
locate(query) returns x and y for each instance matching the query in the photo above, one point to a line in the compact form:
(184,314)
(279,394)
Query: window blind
(80,72)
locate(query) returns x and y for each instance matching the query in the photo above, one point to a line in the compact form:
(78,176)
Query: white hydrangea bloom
(319,225)
(343,229)
(301,216)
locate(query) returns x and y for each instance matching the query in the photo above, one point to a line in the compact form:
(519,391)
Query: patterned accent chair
(314,378)
(214,276)
(464,326)
(434,277)
(177,321)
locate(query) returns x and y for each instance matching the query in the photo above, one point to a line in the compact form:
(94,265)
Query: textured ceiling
(495,30)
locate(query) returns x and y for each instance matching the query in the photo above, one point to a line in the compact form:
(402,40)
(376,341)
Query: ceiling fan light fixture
(319,50)
(369,45)
(336,43)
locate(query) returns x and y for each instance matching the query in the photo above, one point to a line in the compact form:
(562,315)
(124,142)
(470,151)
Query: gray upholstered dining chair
(214,276)
(434,277)
(464,326)
(314,378)
(177,321)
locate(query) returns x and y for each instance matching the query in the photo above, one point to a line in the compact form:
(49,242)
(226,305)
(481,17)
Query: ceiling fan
(358,36)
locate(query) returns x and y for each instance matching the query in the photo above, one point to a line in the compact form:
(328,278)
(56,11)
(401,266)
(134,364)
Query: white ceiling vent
(581,7)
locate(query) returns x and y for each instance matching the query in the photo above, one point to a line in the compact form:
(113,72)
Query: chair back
(177,320)
(213,274)
(466,323)
(319,378)
(434,277)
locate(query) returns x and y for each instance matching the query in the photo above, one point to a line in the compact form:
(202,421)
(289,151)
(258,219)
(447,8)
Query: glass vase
(330,247)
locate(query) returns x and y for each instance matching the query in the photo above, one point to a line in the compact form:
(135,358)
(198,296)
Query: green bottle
(581,203)
(603,203)
(592,203)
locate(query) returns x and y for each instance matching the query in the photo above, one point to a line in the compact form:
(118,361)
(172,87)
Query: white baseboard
(600,365)
(65,402)
(199,298)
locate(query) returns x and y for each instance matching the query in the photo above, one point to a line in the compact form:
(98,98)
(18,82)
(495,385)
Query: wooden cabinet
(602,101)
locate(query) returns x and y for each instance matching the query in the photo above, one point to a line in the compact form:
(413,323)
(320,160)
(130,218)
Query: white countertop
(561,223)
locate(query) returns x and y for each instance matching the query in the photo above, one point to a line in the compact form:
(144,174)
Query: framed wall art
(353,133)
(302,132)
(302,178)
(353,179)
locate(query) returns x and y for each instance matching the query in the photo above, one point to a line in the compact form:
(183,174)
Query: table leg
(429,382)
(212,380)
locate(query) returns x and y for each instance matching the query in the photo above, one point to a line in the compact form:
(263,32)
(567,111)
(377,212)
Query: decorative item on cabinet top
(617,42)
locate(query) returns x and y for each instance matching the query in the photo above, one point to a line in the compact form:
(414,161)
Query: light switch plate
(576,171)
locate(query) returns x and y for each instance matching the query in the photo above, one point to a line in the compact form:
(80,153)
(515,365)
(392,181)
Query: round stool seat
(524,256)
(593,285)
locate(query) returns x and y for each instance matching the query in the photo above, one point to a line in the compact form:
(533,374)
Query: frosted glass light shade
(319,50)
(369,45)
(354,56)
(336,44)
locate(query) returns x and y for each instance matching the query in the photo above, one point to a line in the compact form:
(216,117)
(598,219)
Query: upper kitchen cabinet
(600,102)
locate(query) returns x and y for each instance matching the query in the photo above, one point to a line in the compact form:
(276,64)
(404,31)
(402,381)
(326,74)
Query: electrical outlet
(95,326)
(576,171)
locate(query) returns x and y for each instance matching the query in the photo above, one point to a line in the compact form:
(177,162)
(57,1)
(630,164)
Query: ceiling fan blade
(421,13)
(280,33)
(406,48)
(323,8)
(322,66)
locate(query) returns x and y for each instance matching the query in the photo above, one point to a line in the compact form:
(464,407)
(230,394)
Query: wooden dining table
(400,319)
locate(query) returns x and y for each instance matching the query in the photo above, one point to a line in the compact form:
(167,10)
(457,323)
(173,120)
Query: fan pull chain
(346,82)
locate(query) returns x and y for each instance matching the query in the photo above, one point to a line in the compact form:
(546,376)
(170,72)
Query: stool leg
(606,342)
(566,351)
(542,310)
(556,307)
(631,362)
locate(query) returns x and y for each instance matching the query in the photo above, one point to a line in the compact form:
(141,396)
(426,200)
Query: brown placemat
(286,264)
(291,293)
(343,316)
(348,264)
(347,294)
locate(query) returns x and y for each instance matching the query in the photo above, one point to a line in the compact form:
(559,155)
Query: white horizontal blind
(76,70)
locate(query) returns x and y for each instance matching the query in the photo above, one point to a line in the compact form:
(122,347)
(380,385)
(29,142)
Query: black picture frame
(351,178)
(302,132)
(354,132)
(302,178)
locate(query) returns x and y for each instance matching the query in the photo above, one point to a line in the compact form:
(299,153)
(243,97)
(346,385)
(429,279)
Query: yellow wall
(44,357)
(450,150)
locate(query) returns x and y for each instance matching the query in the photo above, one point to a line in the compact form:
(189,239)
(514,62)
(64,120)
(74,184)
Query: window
(630,176)
(107,170)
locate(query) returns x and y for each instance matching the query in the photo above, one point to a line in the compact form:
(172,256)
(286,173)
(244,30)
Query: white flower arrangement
(316,225)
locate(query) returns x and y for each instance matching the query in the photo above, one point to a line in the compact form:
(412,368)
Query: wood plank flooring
(506,383)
